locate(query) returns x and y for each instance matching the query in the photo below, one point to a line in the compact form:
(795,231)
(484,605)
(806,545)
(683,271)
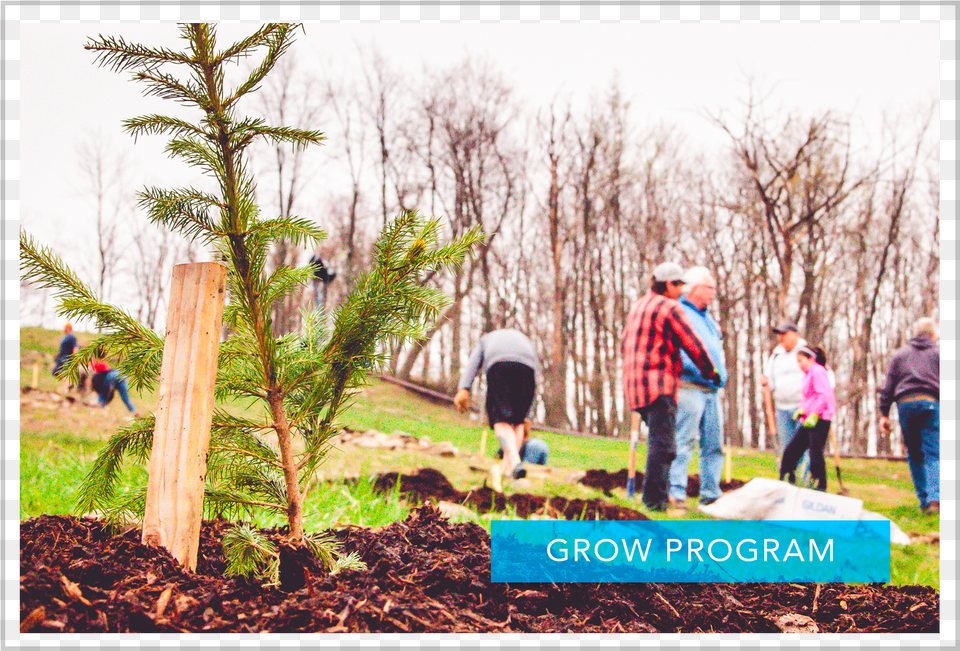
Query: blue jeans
(786,430)
(698,418)
(535,451)
(920,426)
(116,381)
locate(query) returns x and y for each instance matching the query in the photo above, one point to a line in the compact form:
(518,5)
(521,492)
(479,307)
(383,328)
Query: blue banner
(557,551)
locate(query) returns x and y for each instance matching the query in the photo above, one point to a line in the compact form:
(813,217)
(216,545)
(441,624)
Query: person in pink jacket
(816,411)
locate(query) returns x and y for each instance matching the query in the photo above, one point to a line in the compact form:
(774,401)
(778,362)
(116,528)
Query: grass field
(58,445)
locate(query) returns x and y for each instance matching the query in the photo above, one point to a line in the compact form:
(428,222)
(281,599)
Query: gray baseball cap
(786,326)
(666,272)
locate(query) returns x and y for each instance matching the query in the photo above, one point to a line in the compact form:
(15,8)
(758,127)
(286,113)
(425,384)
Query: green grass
(58,446)
(337,504)
(49,468)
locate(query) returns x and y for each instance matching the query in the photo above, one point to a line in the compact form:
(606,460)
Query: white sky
(671,73)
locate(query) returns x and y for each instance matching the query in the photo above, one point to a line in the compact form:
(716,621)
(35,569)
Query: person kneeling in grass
(106,381)
(509,362)
(816,410)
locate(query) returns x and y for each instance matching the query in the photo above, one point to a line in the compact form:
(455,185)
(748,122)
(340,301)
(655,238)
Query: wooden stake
(632,456)
(772,434)
(181,437)
(727,465)
(496,483)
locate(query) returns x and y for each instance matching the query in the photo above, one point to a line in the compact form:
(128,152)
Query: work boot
(657,508)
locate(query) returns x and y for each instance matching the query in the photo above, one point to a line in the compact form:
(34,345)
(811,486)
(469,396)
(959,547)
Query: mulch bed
(606,481)
(424,574)
(431,484)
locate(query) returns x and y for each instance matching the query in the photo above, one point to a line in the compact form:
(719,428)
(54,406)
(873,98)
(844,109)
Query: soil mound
(606,481)
(424,574)
(428,484)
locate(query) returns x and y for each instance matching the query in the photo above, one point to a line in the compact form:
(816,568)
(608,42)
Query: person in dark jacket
(68,346)
(913,382)
(322,276)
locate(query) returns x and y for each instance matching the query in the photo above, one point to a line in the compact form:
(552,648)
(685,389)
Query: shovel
(632,458)
(836,461)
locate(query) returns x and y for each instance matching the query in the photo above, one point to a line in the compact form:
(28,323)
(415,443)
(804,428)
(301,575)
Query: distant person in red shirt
(106,380)
(657,330)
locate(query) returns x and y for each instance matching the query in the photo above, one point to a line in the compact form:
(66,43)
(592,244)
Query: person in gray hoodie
(913,382)
(509,362)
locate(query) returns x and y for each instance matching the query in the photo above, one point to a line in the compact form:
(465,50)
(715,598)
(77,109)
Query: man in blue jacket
(698,407)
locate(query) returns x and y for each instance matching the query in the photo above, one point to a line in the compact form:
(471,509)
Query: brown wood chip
(30,621)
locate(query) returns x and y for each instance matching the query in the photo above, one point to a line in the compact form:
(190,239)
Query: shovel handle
(771,419)
(632,455)
(836,459)
(836,447)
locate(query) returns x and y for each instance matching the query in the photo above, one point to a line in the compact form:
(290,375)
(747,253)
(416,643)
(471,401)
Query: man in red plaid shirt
(657,329)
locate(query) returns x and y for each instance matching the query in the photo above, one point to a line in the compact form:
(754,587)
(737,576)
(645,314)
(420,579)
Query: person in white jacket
(784,377)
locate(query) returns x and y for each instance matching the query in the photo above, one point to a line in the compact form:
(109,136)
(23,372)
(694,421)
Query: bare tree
(555,390)
(157,251)
(474,177)
(382,87)
(34,304)
(801,173)
(289,97)
(103,173)
(877,234)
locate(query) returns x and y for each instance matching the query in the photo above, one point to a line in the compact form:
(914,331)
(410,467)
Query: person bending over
(509,362)
(106,381)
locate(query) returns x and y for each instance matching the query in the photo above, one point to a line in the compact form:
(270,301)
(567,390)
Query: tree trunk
(554,395)
(752,386)
(733,432)
(456,336)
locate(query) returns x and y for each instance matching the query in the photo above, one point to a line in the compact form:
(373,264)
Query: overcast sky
(671,73)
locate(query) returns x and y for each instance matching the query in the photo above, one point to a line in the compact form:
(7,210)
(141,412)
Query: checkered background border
(117,12)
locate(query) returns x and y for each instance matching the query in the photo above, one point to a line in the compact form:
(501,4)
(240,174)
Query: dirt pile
(430,484)
(606,481)
(396,441)
(425,574)
(40,399)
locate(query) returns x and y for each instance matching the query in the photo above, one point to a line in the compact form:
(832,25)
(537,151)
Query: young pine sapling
(296,384)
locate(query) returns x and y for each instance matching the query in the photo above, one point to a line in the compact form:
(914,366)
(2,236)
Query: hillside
(60,440)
